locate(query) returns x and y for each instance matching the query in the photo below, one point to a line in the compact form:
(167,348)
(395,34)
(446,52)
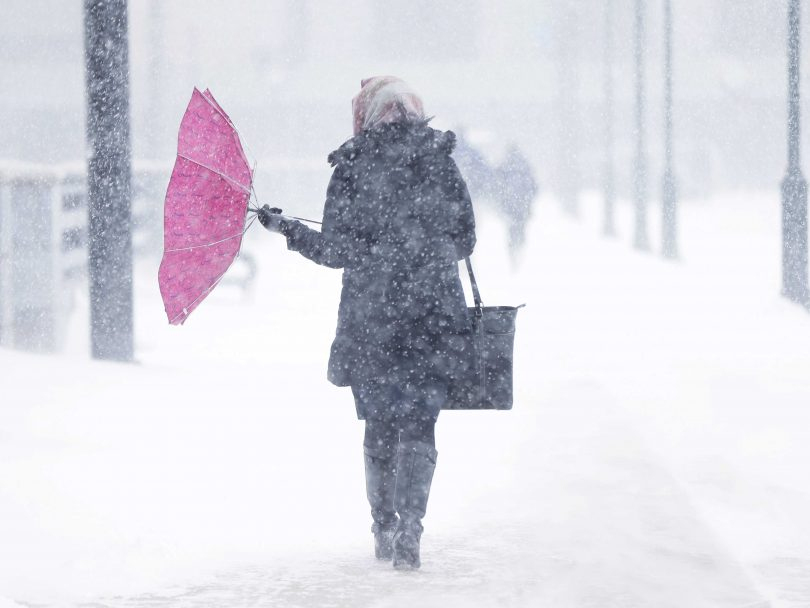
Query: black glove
(270,218)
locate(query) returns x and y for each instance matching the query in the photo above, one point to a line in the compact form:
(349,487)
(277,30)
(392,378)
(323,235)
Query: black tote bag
(479,362)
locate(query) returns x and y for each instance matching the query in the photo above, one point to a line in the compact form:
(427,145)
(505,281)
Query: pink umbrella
(206,207)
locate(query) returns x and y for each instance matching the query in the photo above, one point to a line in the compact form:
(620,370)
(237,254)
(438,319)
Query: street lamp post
(108,179)
(794,186)
(669,223)
(568,110)
(608,226)
(640,170)
(157,84)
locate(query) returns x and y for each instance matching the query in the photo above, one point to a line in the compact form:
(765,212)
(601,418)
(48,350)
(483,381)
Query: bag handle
(474,284)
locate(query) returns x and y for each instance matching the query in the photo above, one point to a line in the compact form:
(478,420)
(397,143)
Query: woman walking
(397,218)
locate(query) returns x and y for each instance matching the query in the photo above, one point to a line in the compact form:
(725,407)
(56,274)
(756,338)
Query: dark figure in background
(397,219)
(510,188)
(479,175)
(515,195)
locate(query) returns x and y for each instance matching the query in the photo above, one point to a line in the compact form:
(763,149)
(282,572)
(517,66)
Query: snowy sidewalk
(654,456)
(578,513)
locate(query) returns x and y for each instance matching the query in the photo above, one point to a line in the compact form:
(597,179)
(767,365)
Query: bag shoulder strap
(474,284)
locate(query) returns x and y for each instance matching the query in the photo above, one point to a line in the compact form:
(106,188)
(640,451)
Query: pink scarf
(385,99)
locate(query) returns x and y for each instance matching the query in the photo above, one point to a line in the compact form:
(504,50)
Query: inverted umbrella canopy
(205,209)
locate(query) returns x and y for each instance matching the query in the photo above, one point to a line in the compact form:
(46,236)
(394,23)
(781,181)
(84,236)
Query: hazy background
(657,451)
(525,71)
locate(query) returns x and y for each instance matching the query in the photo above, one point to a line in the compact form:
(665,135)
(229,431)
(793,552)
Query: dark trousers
(398,422)
(397,415)
(383,436)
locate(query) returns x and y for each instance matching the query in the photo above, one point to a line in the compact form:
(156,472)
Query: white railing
(43,245)
(43,218)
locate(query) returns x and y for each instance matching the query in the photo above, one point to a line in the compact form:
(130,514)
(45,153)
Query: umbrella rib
(210,287)
(222,175)
(227,238)
(218,110)
(227,118)
(201,296)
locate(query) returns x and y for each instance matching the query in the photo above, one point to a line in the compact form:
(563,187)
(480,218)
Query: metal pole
(154,124)
(640,171)
(568,110)
(669,222)
(608,226)
(794,186)
(108,176)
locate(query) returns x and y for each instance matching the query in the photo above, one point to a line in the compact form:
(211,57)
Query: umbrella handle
(286,217)
(303,219)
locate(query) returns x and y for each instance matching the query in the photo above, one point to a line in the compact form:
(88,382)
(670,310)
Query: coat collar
(417,138)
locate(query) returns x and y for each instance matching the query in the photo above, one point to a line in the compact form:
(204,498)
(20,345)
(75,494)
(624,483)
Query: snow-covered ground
(658,453)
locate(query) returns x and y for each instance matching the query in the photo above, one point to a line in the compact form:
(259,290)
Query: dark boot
(416,462)
(380,482)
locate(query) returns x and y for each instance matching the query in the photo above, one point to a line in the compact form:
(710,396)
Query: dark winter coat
(397,218)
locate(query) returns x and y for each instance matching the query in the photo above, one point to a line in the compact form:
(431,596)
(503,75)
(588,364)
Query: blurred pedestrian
(516,192)
(475,168)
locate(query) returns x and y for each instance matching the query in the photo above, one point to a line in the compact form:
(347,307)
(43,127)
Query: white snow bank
(655,456)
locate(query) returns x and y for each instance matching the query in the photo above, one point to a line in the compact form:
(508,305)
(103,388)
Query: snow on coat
(397,219)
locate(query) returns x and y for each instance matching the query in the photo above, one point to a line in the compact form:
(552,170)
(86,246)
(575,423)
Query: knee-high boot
(380,485)
(416,461)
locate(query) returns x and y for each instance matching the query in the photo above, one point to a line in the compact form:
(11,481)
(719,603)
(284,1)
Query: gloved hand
(270,218)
